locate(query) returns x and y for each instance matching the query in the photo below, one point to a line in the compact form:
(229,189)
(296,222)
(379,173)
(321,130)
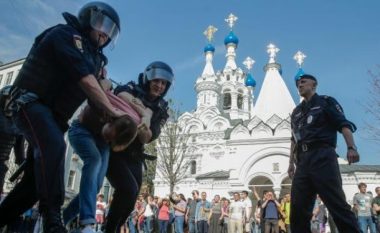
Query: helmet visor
(158,73)
(105,24)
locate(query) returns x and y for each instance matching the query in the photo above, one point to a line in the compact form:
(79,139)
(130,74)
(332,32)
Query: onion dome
(231,38)
(250,81)
(209,48)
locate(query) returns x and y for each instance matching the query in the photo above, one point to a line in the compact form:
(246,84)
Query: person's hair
(182,196)
(245,192)
(101,195)
(361,184)
(125,130)
(377,188)
(236,193)
(195,191)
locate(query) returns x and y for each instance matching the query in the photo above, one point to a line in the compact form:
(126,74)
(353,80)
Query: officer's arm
(94,92)
(352,154)
(348,137)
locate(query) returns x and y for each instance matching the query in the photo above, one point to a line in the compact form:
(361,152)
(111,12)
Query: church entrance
(261,183)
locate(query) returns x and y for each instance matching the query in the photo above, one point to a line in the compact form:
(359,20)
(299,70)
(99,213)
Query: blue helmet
(157,70)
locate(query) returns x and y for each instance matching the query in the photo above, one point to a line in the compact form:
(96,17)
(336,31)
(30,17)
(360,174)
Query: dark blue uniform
(46,93)
(125,168)
(314,133)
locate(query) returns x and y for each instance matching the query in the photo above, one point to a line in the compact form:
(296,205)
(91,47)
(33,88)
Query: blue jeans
(178,223)
(131,225)
(148,224)
(365,223)
(202,226)
(192,226)
(163,226)
(94,152)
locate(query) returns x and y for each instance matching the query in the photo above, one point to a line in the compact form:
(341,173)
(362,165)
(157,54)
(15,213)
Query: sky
(340,38)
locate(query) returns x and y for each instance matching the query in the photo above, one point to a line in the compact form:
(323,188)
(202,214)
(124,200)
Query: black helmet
(102,17)
(157,70)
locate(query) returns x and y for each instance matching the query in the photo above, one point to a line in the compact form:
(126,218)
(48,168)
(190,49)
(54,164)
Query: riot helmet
(101,17)
(157,70)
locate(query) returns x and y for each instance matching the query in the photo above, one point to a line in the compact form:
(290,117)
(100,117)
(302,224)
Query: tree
(171,148)
(373,106)
(150,172)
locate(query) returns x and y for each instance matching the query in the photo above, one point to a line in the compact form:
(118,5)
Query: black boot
(52,222)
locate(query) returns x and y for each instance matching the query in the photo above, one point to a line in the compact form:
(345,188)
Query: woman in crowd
(163,215)
(215,217)
(225,214)
(125,167)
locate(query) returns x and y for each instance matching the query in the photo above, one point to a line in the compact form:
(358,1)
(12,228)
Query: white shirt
(237,210)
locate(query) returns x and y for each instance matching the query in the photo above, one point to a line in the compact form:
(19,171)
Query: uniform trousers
(43,176)
(125,176)
(317,171)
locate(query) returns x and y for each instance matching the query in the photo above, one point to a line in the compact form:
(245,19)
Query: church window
(193,167)
(240,101)
(227,100)
(276,167)
(228,77)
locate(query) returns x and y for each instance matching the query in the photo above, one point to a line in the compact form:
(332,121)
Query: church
(238,140)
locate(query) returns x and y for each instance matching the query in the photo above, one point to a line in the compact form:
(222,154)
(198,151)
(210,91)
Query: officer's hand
(145,121)
(291,170)
(352,156)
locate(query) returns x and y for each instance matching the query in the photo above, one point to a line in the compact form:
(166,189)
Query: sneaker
(88,229)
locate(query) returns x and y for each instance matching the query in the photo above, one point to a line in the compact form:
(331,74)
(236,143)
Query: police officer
(314,124)
(125,168)
(59,73)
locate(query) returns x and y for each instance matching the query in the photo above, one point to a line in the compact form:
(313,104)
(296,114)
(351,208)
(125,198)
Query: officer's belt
(305,147)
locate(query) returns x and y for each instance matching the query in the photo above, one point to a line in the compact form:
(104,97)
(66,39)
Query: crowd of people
(241,213)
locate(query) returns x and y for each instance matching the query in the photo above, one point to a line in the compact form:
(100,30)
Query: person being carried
(92,135)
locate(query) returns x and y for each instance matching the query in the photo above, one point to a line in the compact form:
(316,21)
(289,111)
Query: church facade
(238,141)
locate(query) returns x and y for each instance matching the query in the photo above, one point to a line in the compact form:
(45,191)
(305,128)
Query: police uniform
(125,168)
(46,93)
(314,132)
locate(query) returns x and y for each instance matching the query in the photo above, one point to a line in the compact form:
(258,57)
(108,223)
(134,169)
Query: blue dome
(250,81)
(300,72)
(231,38)
(209,48)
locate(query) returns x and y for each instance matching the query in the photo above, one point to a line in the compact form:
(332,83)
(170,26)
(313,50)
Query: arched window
(193,167)
(240,100)
(227,100)
(228,77)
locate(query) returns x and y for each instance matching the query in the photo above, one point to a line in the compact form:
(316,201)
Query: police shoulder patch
(78,42)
